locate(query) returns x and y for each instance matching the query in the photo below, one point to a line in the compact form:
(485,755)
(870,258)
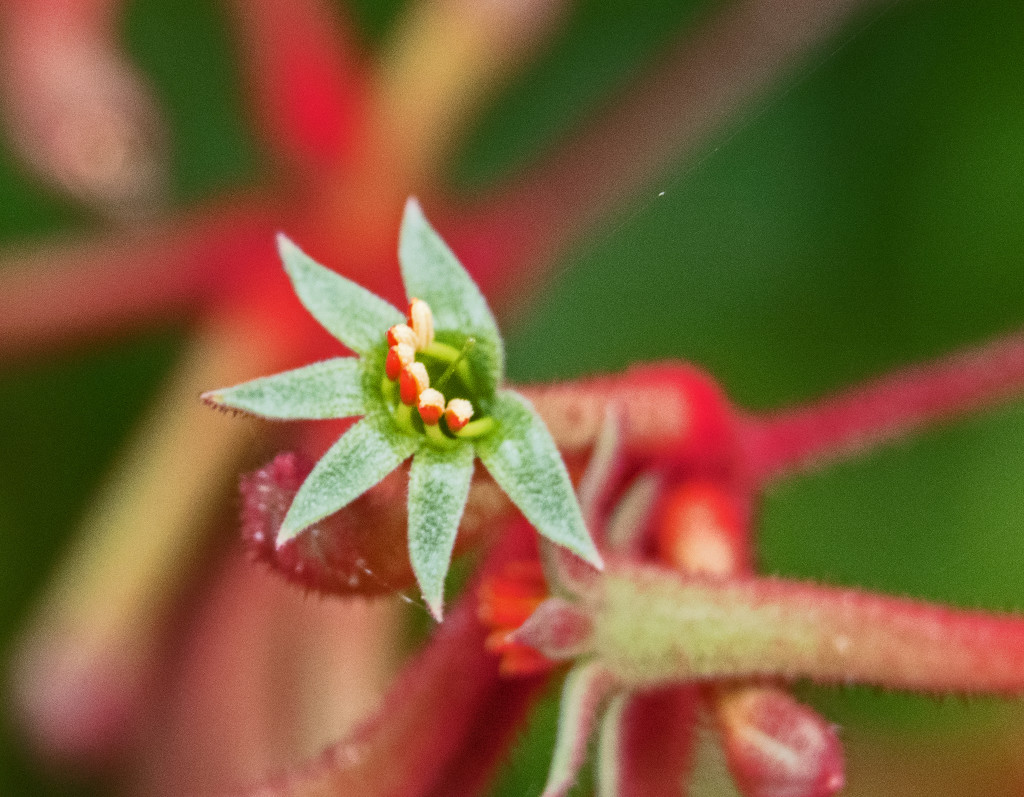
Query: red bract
(351,139)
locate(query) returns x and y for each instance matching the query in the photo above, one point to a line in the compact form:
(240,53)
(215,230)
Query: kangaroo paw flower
(429,386)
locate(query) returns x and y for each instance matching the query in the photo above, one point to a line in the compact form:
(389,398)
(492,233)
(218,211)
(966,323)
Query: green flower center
(450,375)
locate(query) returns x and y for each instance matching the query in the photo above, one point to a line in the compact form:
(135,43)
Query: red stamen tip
(412,381)
(458,413)
(431,406)
(399,356)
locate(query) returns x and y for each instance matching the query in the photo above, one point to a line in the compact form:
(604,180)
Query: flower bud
(412,381)
(506,601)
(421,319)
(431,406)
(457,413)
(401,333)
(775,746)
(399,356)
(701,531)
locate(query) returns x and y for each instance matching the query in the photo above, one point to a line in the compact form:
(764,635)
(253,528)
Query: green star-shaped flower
(449,340)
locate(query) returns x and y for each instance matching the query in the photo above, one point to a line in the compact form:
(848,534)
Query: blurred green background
(866,214)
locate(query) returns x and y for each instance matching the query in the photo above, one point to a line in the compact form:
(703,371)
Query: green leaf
(523,459)
(432,272)
(586,691)
(328,389)
(363,456)
(356,317)
(438,489)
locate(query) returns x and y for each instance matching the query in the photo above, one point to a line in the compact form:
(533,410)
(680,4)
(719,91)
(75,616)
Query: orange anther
(431,406)
(412,381)
(421,319)
(401,333)
(399,356)
(457,413)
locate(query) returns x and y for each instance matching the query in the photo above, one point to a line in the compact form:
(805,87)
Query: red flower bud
(506,601)
(399,356)
(421,319)
(701,531)
(458,413)
(401,333)
(412,381)
(777,747)
(431,405)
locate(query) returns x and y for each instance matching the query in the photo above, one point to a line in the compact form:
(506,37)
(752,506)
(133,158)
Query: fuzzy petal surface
(329,389)
(438,490)
(523,459)
(354,315)
(361,458)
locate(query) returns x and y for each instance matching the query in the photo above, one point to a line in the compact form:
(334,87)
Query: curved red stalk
(305,79)
(494,730)
(261,677)
(887,409)
(711,629)
(62,293)
(735,53)
(647,743)
(446,692)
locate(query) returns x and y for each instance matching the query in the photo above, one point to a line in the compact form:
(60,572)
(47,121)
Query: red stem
(884,410)
(305,78)
(445,695)
(62,292)
(657,735)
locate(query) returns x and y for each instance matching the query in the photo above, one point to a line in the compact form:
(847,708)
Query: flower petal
(356,317)
(361,458)
(432,272)
(586,690)
(438,489)
(328,389)
(523,459)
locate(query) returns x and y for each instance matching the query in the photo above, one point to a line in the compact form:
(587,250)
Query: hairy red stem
(62,292)
(444,694)
(884,410)
(305,78)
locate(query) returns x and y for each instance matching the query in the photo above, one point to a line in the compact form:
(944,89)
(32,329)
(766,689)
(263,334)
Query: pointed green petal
(523,459)
(438,489)
(363,456)
(328,389)
(586,690)
(356,317)
(432,272)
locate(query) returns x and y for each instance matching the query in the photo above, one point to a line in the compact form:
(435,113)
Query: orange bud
(458,413)
(399,356)
(401,333)
(412,381)
(421,319)
(701,531)
(506,600)
(431,405)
